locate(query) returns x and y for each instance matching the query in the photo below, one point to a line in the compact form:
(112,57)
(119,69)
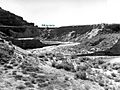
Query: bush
(8,66)
(68,67)
(104,66)
(65,65)
(32,69)
(29,84)
(33,81)
(59,66)
(66,78)
(101,61)
(21,87)
(117,79)
(18,77)
(53,64)
(84,59)
(82,67)
(42,85)
(118,70)
(101,83)
(113,74)
(116,66)
(40,80)
(80,75)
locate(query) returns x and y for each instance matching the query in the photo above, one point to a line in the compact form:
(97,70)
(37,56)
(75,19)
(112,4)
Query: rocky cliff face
(9,19)
(75,33)
(16,26)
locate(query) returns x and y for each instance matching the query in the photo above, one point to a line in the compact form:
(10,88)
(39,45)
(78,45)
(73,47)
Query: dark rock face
(115,49)
(72,33)
(10,19)
(20,32)
(63,33)
(15,26)
(28,43)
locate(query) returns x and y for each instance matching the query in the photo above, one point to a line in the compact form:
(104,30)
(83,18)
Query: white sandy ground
(50,48)
(115,60)
(93,33)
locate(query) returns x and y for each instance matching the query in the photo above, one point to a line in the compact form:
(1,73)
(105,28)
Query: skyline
(65,12)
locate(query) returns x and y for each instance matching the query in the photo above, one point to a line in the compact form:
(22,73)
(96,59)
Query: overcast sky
(65,12)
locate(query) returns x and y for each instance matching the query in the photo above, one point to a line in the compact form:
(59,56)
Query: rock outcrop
(15,26)
(28,43)
(9,19)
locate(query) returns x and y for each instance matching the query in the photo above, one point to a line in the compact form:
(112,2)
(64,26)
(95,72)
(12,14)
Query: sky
(65,12)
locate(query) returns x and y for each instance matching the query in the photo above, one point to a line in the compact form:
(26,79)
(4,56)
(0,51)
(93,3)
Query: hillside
(9,19)
(15,26)
(21,69)
(100,39)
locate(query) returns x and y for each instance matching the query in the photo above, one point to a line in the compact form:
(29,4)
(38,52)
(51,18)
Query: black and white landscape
(67,57)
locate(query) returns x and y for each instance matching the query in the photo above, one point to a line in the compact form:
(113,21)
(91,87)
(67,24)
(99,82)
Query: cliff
(9,19)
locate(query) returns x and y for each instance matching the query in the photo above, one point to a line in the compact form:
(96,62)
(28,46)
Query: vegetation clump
(80,75)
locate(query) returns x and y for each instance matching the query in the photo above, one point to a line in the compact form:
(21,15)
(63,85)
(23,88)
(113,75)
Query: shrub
(84,59)
(80,75)
(118,70)
(42,84)
(59,66)
(18,77)
(14,72)
(113,74)
(68,67)
(33,81)
(116,66)
(65,65)
(96,66)
(8,66)
(101,61)
(29,84)
(66,78)
(101,83)
(40,80)
(32,69)
(82,67)
(24,72)
(87,87)
(109,76)
(104,66)
(89,70)
(25,79)
(34,75)
(117,79)
(21,87)
(53,64)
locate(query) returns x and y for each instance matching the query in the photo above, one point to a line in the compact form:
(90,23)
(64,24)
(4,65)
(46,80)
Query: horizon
(65,13)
